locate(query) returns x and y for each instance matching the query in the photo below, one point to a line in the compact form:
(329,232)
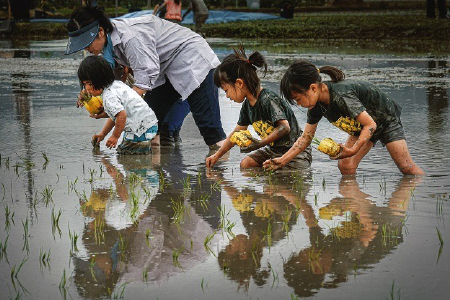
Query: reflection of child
(126,110)
(360,108)
(262,108)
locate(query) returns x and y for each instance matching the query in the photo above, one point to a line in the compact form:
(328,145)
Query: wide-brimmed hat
(83,37)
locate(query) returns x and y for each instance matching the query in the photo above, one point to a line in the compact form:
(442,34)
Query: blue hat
(83,37)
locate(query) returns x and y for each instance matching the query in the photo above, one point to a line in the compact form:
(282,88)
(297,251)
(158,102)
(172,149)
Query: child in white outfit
(126,111)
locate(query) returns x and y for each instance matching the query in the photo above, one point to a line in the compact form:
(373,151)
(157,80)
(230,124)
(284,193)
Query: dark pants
(175,117)
(431,8)
(204,104)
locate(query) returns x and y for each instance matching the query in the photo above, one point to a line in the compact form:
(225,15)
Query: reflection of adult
(431,9)
(169,62)
(200,14)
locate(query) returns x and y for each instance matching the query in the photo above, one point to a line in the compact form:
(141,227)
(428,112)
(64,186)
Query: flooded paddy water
(82,224)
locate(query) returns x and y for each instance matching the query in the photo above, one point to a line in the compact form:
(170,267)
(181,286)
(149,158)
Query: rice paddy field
(78,223)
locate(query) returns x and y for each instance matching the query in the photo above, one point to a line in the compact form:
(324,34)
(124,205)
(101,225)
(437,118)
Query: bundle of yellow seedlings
(329,211)
(241,138)
(263,128)
(348,125)
(94,105)
(348,229)
(328,146)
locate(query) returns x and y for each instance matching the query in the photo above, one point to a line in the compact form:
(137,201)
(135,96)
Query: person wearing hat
(169,62)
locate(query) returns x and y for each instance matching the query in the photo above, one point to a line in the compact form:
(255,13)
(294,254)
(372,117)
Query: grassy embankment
(381,29)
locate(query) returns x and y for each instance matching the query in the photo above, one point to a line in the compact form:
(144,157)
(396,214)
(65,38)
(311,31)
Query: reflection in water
(364,236)
(135,227)
(21,93)
(268,217)
(437,97)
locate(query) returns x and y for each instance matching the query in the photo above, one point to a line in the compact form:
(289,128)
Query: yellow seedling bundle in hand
(241,138)
(94,105)
(328,146)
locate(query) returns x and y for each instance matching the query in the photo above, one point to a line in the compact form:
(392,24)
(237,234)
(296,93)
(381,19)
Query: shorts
(133,144)
(301,161)
(393,131)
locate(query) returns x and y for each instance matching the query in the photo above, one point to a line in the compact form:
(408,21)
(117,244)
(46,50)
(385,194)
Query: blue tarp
(215,16)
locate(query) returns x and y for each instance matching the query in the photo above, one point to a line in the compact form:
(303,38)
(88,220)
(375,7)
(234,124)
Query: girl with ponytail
(359,108)
(271,116)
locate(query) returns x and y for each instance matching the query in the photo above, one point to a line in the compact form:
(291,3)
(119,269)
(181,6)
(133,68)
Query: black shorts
(301,161)
(393,131)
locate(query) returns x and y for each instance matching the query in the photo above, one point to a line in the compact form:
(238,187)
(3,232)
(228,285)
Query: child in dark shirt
(373,115)
(271,116)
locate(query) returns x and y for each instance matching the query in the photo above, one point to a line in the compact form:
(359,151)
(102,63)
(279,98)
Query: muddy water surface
(83,224)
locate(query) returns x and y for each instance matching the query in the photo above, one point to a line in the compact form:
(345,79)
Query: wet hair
(96,70)
(177,2)
(301,74)
(237,65)
(85,15)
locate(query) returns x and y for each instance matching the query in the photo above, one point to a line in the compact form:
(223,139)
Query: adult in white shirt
(169,62)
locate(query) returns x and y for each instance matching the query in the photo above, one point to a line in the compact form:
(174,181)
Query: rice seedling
(7,163)
(285,218)
(134,206)
(71,185)
(25,235)
(207,240)
(255,251)
(186,182)
(122,247)
(268,232)
(47,195)
(175,255)
(91,175)
(316,199)
(179,210)
(44,258)
(147,192)
(323,183)
(99,235)
(145,275)
(134,180)
(14,271)
(55,222)
(91,268)
(294,297)
(441,241)
(440,198)
(101,170)
(147,236)
(392,292)
(120,292)
(4,191)
(9,217)
(73,241)
(389,235)
(3,247)
(216,186)
(202,285)
(26,163)
(63,281)
(203,200)
(226,225)
(163,183)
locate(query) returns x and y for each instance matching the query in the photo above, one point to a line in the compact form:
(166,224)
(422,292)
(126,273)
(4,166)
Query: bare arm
(369,127)
(121,119)
(226,146)
(299,146)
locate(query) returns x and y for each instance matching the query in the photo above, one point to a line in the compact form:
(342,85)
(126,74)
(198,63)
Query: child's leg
(348,165)
(248,162)
(402,158)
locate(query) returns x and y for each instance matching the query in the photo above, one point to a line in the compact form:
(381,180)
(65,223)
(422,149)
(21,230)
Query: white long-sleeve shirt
(156,49)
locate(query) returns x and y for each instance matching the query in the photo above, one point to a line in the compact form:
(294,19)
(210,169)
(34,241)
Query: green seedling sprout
(216,186)
(73,241)
(392,292)
(25,235)
(3,247)
(91,268)
(147,236)
(99,235)
(175,255)
(207,241)
(145,275)
(120,291)
(47,195)
(55,221)
(44,258)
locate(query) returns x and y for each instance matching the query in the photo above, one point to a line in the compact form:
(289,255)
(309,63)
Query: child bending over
(126,110)
(271,116)
(343,102)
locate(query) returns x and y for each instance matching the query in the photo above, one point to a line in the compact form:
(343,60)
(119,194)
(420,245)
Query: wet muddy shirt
(349,98)
(269,109)
(119,96)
